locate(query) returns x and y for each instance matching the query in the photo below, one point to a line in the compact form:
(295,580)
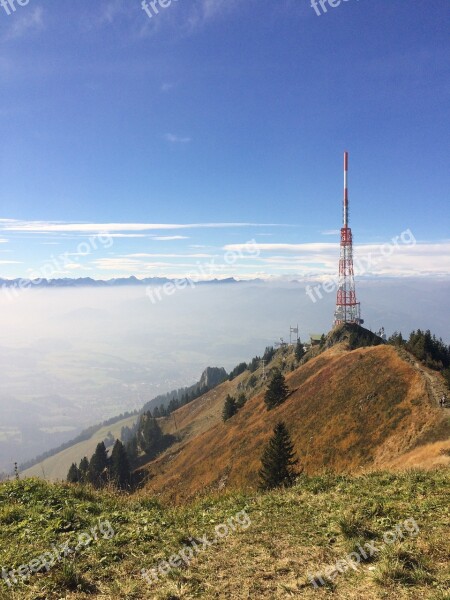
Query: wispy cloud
(115,229)
(119,264)
(110,11)
(105,13)
(25,22)
(420,259)
(169,238)
(166,87)
(312,247)
(147,255)
(176,139)
(129,235)
(203,11)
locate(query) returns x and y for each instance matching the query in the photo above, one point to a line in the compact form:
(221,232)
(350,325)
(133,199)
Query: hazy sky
(184,128)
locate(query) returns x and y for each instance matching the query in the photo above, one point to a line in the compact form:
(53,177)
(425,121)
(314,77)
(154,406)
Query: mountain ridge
(24,283)
(349,410)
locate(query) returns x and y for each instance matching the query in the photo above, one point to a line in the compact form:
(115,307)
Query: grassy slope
(347,411)
(189,421)
(292,533)
(55,468)
(333,423)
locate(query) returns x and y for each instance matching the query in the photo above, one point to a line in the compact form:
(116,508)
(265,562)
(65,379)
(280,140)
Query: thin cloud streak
(177,139)
(122,228)
(169,238)
(147,255)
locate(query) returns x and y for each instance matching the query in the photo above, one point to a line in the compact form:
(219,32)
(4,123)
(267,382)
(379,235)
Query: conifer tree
(132,451)
(269,353)
(299,350)
(446,374)
(120,466)
(278,460)
(241,400)
(83,469)
(73,476)
(229,408)
(149,436)
(277,392)
(97,473)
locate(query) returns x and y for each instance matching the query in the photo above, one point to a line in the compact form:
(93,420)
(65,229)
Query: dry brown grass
(347,412)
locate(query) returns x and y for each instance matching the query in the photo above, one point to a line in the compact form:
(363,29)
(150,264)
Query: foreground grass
(291,534)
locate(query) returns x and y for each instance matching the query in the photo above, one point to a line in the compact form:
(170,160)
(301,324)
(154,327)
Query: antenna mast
(348,310)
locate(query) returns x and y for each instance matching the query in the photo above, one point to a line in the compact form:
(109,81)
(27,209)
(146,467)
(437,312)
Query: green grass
(293,533)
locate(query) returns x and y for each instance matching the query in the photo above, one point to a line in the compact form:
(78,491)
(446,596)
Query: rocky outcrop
(212,376)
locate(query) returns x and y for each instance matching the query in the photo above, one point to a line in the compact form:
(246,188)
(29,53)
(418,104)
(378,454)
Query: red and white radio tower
(348,310)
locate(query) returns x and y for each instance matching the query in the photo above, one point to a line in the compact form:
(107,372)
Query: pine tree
(120,466)
(173,405)
(132,451)
(446,374)
(98,466)
(269,353)
(241,401)
(229,408)
(149,437)
(396,339)
(83,469)
(73,476)
(278,460)
(277,392)
(299,350)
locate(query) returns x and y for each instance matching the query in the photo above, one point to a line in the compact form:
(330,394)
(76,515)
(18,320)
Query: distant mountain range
(89,282)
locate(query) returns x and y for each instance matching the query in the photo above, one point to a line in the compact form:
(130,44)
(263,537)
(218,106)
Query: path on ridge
(436,387)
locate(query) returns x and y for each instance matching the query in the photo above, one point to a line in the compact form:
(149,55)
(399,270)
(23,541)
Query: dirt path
(436,387)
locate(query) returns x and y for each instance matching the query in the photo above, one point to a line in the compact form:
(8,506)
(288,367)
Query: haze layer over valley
(71,358)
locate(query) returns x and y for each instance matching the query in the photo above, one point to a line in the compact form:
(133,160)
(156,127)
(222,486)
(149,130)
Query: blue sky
(217,122)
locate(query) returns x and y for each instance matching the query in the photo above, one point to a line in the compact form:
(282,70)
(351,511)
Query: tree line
(164,410)
(145,440)
(427,348)
(143,443)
